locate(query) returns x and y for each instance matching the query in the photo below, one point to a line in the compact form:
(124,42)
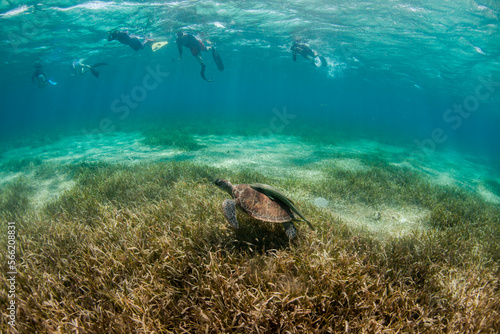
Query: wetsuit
(191,42)
(124,38)
(307,53)
(196,46)
(40,78)
(303,50)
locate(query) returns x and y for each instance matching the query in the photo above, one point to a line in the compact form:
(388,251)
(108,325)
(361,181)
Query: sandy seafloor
(277,156)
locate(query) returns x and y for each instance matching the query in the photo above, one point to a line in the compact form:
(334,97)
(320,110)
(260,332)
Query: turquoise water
(423,74)
(391,151)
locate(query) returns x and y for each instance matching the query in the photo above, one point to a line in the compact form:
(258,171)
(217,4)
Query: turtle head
(224,185)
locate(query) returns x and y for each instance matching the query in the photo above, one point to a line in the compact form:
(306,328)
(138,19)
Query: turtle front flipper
(290,230)
(229,208)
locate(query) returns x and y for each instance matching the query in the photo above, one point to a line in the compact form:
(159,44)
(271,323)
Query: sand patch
(6,178)
(48,190)
(112,148)
(276,156)
(386,221)
(487,194)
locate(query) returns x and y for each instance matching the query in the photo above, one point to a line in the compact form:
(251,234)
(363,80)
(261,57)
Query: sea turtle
(262,202)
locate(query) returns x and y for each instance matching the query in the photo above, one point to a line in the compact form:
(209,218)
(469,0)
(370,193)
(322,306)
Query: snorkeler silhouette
(134,41)
(79,68)
(40,78)
(307,53)
(196,46)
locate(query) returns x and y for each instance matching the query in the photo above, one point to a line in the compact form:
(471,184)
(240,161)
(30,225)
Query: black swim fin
(99,64)
(323,61)
(202,73)
(93,71)
(217,59)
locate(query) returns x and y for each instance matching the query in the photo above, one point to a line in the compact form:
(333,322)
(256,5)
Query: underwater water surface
(386,136)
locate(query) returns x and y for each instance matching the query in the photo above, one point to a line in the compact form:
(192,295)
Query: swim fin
(323,61)
(158,45)
(202,73)
(94,72)
(99,64)
(217,59)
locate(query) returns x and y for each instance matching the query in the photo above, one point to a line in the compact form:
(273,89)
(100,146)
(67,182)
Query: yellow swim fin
(158,45)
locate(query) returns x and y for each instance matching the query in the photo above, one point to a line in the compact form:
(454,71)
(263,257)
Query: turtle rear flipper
(290,230)
(229,208)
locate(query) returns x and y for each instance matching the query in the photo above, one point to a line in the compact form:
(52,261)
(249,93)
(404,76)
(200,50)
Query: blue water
(394,67)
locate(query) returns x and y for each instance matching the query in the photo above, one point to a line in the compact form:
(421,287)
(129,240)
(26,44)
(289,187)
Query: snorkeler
(196,46)
(134,41)
(307,53)
(79,68)
(40,78)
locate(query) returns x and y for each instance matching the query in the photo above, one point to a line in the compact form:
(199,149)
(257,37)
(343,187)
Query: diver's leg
(198,58)
(203,66)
